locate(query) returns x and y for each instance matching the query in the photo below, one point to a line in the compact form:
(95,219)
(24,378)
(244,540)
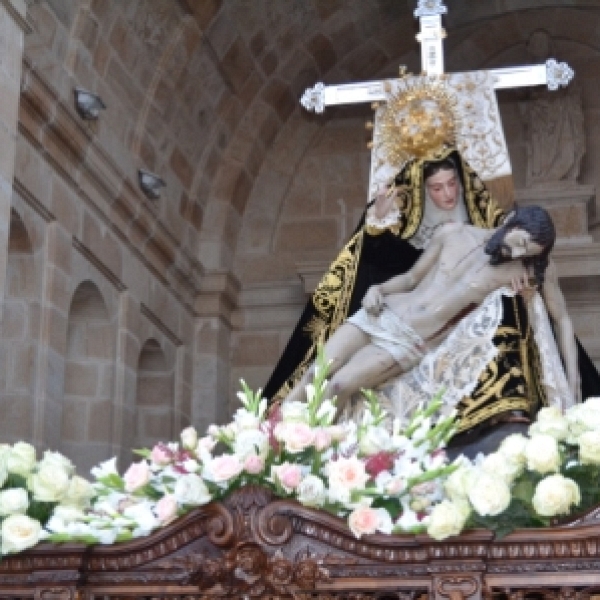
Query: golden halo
(418,119)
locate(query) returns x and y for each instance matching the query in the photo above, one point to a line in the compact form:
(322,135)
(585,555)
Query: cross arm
(552,73)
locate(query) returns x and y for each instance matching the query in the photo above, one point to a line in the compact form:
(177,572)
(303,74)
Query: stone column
(211,390)
(13,26)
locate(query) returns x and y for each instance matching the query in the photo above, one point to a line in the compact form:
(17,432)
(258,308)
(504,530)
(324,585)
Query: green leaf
(41,511)
(392,505)
(15,481)
(144,452)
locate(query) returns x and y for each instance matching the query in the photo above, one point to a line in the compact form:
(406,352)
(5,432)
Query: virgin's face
(443,189)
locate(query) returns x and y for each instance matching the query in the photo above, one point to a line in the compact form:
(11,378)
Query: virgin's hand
(373,300)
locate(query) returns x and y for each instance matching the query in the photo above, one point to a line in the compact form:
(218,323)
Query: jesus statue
(411,314)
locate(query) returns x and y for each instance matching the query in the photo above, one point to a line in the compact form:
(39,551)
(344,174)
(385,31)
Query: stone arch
(18,334)
(154,402)
(89,378)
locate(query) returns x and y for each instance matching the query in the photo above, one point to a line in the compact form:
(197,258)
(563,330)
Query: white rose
(489,495)
(3,472)
(374,440)
(513,447)
(13,501)
(189,438)
(251,442)
(79,492)
(311,491)
(589,447)
(18,533)
(447,518)
(58,460)
(542,454)
(584,417)
(458,483)
(49,484)
(550,421)
(245,420)
(555,495)
(502,466)
(191,489)
(21,459)
(295,412)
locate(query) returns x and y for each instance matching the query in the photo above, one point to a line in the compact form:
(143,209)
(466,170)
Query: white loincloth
(389,332)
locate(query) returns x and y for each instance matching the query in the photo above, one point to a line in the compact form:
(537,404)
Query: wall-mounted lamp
(150,184)
(88,105)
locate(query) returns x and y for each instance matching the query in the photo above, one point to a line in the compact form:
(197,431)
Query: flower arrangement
(529,481)
(379,477)
(33,492)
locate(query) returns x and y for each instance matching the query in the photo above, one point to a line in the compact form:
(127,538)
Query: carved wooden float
(253,545)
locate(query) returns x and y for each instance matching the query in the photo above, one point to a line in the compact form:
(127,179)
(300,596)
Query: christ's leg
(368,368)
(338,350)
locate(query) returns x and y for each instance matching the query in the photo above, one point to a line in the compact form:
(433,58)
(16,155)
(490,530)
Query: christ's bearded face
(514,244)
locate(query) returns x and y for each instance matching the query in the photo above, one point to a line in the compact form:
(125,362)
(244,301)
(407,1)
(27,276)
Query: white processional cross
(551,73)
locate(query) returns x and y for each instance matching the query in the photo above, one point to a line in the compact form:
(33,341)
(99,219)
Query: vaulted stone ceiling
(205,93)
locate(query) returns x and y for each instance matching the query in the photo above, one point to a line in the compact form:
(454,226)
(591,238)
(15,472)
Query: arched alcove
(89,375)
(18,332)
(154,396)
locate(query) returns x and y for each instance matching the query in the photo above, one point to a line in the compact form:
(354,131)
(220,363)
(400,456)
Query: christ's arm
(557,309)
(374,298)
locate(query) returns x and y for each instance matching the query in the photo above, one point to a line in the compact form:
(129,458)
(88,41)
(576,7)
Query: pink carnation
(289,475)
(225,467)
(161,454)
(254,464)
(166,509)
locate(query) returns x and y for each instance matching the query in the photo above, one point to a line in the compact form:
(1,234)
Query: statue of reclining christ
(411,314)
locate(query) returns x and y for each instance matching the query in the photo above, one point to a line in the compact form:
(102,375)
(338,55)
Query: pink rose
(363,520)
(254,464)
(161,454)
(166,509)
(225,467)
(137,476)
(347,473)
(289,476)
(298,437)
(322,439)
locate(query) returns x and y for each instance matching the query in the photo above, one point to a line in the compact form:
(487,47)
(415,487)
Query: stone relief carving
(554,127)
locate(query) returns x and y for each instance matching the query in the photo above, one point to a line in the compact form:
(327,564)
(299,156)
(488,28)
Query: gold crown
(419,118)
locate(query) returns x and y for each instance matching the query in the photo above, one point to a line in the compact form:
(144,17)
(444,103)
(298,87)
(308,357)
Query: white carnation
(311,491)
(251,442)
(374,440)
(489,495)
(542,454)
(555,495)
(191,489)
(295,412)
